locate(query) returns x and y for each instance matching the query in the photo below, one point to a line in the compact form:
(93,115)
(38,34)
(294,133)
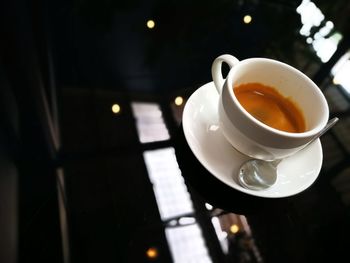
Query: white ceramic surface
(200,123)
(251,136)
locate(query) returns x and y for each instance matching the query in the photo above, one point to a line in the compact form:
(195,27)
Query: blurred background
(93,163)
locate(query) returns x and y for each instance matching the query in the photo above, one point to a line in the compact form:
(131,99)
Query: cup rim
(307,133)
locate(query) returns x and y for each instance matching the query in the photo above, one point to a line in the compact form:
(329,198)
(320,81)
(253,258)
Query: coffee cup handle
(216,69)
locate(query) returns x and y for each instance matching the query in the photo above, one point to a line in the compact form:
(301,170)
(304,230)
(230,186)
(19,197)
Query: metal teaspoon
(257,174)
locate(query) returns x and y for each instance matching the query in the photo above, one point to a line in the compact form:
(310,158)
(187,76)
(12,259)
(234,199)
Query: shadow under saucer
(215,192)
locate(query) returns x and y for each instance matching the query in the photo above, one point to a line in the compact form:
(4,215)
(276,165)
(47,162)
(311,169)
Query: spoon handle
(329,125)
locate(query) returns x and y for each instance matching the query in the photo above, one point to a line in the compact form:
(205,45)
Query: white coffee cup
(249,135)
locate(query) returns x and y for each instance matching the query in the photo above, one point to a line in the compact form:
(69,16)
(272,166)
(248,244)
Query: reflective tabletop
(97,165)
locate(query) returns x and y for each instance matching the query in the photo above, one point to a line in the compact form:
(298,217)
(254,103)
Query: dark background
(73,182)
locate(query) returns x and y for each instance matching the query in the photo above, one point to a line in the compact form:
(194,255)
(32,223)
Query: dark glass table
(94,163)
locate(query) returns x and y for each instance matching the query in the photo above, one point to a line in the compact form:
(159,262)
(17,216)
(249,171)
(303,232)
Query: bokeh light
(179,100)
(247,19)
(152,253)
(234,229)
(151,24)
(115,108)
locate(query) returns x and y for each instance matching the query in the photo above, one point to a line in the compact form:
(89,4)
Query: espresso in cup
(270,107)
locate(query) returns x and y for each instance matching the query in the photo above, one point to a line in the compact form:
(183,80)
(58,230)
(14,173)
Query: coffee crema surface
(269,106)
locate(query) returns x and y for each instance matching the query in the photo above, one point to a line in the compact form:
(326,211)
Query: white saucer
(199,120)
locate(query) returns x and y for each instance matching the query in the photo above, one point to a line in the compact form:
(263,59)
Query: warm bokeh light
(115,108)
(152,253)
(247,19)
(234,228)
(150,24)
(179,100)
